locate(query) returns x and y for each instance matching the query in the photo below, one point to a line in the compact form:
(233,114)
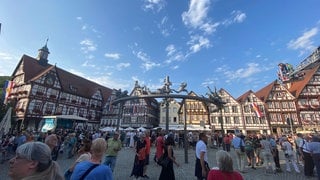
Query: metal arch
(203,99)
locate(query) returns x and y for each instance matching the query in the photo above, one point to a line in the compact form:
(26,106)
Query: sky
(231,44)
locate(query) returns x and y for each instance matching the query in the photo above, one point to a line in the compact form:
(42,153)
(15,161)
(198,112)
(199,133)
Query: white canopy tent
(129,129)
(107,129)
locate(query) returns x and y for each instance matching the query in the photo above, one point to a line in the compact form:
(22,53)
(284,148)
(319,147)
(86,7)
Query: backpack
(248,145)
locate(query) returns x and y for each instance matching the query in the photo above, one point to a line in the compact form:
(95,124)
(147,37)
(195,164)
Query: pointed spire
(43,54)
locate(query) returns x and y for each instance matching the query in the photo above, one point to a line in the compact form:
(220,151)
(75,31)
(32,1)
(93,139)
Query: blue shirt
(236,141)
(101,172)
(314,147)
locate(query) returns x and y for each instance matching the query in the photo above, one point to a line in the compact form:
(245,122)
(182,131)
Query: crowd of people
(33,155)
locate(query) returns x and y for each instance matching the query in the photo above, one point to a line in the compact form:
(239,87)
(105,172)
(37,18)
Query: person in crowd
(266,151)
(289,155)
(33,162)
(71,145)
(275,152)
(52,142)
(113,147)
(148,146)
(132,135)
(257,149)
(314,147)
(226,142)
(167,173)
(84,155)
(225,168)
(237,142)
(139,159)
(306,155)
(249,151)
(159,146)
(298,140)
(201,167)
(92,169)
(22,138)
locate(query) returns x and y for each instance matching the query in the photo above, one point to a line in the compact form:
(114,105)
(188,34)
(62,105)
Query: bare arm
(170,155)
(203,166)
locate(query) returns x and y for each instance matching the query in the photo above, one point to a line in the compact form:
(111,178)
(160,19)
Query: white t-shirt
(201,147)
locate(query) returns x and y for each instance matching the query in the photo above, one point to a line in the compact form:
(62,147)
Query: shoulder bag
(88,171)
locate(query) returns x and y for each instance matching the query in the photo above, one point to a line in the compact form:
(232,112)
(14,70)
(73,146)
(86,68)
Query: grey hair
(36,151)
(224,161)
(40,152)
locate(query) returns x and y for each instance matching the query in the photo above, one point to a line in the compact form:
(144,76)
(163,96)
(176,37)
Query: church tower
(43,55)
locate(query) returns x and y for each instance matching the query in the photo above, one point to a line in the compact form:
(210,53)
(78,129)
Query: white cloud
(112,55)
(164,28)
(304,42)
(170,49)
(108,81)
(241,73)
(236,17)
(173,54)
(79,18)
(197,43)
(147,64)
(121,66)
(88,45)
(78,73)
(88,64)
(154,5)
(196,14)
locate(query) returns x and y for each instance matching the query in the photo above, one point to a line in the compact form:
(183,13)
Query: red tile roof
(263,93)
(297,86)
(85,88)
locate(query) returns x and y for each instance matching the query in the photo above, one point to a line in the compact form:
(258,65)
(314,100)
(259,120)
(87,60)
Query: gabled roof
(244,96)
(226,93)
(85,88)
(263,93)
(31,67)
(297,86)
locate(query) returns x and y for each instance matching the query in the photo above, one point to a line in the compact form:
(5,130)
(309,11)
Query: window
(175,119)
(236,120)
(248,120)
(71,111)
(226,109)
(246,108)
(228,120)
(234,109)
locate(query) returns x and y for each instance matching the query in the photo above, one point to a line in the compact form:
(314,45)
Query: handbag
(241,146)
(67,175)
(163,161)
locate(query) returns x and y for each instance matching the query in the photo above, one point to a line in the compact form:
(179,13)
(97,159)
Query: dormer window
(72,88)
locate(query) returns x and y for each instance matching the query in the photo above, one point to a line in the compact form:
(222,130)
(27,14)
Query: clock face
(49,80)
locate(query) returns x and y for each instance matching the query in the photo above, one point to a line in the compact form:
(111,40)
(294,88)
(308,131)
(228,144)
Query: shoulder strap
(88,171)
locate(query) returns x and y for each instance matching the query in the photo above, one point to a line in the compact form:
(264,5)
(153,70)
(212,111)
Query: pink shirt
(217,174)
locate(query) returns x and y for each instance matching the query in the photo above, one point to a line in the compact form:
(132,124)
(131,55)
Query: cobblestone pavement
(184,172)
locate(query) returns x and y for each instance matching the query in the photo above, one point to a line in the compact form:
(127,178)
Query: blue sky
(235,45)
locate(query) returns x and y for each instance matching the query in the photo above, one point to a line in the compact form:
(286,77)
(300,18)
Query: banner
(256,109)
(8,86)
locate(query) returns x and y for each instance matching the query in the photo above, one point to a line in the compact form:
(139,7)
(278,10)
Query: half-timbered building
(43,89)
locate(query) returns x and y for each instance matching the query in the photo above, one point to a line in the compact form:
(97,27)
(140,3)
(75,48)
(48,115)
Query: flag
(256,110)
(8,86)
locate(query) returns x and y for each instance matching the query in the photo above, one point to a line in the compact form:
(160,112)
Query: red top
(148,144)
(159,146)
(217,174)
